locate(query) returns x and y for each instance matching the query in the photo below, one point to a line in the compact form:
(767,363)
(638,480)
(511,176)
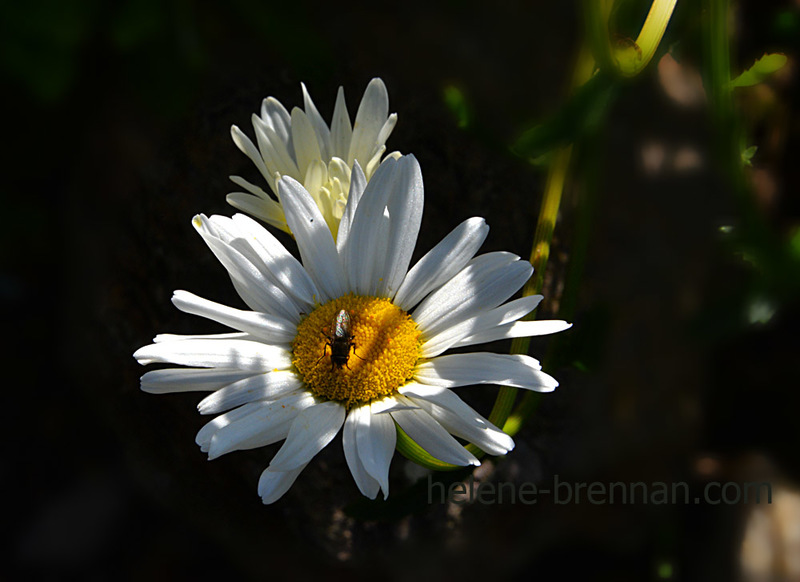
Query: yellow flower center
(368,359)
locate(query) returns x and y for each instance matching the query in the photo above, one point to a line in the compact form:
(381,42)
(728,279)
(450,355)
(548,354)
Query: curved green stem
(631,58)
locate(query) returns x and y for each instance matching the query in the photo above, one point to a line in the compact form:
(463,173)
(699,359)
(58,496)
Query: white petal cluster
(302,146)
(456,298)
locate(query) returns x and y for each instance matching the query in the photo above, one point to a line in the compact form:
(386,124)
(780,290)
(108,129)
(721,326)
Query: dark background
(117,120)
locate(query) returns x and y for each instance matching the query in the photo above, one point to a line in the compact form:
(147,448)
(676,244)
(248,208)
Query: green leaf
(760,70)
(583,114)
(748,154)
(457,104)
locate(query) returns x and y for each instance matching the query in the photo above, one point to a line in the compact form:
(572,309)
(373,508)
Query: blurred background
(676,256)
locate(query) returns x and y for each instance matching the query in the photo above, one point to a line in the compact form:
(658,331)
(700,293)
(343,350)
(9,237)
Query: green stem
(626,60)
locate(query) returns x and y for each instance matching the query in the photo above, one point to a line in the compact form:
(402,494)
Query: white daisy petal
(212,427)
(341,130)
(273,484)
(405,214)
(275,116)
(174,337)
(266,209)
(278,155)
(442,262)
(320,127)
(251,188)
(190,379)
(357,185)
(480,325)
(270,328)
(512,330)
(314,239)
(459,418)
(311,431)
(306,146)
(483,284)
(367,484)
(376,442)
(386,131)
(516,370)
(253,284)
(264,424)
(241,354)
(370,118)
(367,231)
(429,434)
(289,273)
(267,386)
(249,149)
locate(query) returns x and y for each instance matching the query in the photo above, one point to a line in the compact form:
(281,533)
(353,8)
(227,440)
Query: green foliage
(760,70)
(456,102)
(747,155)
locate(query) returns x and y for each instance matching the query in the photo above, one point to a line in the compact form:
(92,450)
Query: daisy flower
(302,146)
(351,338)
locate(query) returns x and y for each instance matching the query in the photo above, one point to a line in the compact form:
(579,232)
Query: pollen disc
(383,346)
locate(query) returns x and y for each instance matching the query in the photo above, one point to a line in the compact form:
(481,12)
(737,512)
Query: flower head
(351,337)
(302,146)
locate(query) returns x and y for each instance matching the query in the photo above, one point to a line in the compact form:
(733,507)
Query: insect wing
(341,325)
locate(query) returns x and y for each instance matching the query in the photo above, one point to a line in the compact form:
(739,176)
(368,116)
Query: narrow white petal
(370,118)
(512,330)
(459,418)
(368,485)
(373,162)
(362,255)
(241,354)
(320,127)
(516,370)
(486,282)
(314,239)
(266,386)
(482,324)
(247,147)
(287,271)
(189,379)
(212,427)
(386,130)
(255,287)
(252,188)
(267,210)
(306,146)
(267,422)
(432,437)
(311,431)
(270,328)
(275,116)
(273,484)
(341,130)
(278,155)
(174,337)
(405,215)
(442,262)
(358,182)
(284,281)
(376,443)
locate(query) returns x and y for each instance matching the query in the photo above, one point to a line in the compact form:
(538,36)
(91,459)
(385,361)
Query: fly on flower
(264,381)
(321,157)
(340,340)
